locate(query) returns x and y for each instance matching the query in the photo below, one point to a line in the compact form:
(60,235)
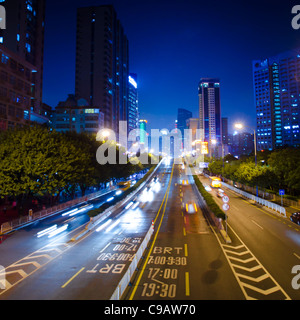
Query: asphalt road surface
(186,258)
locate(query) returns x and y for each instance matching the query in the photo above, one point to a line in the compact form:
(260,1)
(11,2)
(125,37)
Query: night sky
(172,45)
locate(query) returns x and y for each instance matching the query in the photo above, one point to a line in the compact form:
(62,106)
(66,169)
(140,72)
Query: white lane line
(257,224)
(105,247)
(295,254)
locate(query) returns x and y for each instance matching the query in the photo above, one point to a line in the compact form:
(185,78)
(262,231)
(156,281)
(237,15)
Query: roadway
(185,260)
(186,256)
(90,268)
(267,244)
(257,264)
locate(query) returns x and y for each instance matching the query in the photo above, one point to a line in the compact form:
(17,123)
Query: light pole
(240,126)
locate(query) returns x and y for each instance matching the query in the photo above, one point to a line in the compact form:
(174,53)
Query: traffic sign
(281,192)
(225,198)
(226,206)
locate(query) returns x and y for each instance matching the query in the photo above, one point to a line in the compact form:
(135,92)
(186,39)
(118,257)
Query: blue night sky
(172,45)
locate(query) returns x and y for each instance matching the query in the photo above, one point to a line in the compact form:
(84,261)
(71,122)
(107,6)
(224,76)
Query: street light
(105,134)
(238,126)
(102,135)
(241,126)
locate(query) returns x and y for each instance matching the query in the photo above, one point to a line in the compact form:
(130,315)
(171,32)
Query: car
(220,193)
(191,207)
(208,188)
(295,217)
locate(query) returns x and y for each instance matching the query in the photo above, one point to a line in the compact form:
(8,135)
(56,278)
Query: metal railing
(94,221)
(123,284)
(258,200)
(16,223)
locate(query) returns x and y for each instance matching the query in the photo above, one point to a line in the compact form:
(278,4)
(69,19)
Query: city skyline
(171,57)
(159,161)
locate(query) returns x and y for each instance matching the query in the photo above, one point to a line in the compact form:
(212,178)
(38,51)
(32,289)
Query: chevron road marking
(263,277)
(26,267)
(254,280)
(252,285)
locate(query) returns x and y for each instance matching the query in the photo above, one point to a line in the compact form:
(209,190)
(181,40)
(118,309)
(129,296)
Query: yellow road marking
(187,284)
(165,200)
(185,250)
(184,232)
(75,275)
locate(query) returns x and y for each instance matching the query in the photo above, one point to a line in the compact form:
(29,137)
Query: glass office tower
(276,94)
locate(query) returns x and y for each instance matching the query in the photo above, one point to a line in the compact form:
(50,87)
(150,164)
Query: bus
(215,182)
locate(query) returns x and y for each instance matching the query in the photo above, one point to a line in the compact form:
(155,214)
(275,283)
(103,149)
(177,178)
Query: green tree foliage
(36,161)
(216,167)
(279,169)
(32,161)
(286,164)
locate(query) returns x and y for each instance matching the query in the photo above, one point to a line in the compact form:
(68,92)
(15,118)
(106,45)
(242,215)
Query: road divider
(124,282)
(216,215)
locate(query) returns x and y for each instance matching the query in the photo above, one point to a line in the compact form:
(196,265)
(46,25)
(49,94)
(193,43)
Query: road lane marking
(72,278)
(185,250)
(237,264)
(184,231)
(105,247)
(187,284)
(257,224)
(165,200)
(295,254)
(273,214)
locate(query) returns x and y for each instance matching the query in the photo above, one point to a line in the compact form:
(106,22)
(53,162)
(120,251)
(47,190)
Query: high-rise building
(210,111)
(22,49)
(143,131)
(182,116)
(76,115)
(240,143)
(133,109)
(193,125)
(102,63)
(225,131)
(277,94)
